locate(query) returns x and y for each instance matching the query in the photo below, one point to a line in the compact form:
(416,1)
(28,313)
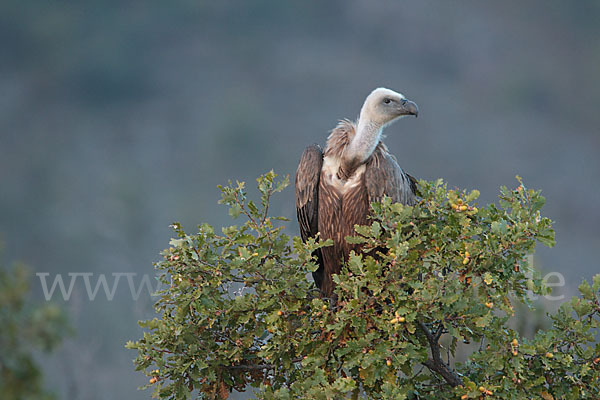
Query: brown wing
(307,199)
(414,184)
(384,176)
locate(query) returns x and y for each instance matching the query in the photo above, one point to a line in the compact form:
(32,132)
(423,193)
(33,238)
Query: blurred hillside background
(120,117)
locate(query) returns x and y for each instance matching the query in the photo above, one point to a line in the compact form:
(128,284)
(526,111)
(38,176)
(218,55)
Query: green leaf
(586,291)
(235,210)
(596,283)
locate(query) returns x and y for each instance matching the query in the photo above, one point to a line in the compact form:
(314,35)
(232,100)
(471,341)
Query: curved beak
(409,108)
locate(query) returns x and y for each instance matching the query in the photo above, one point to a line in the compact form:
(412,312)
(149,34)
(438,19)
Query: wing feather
(307,199)
(384,177)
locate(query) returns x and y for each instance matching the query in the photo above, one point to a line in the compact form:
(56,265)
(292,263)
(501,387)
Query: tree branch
(436,364)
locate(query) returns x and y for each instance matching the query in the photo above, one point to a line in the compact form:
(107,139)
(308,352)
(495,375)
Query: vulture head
(384,106)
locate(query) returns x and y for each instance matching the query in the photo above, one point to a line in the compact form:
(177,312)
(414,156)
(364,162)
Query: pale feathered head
(384,106)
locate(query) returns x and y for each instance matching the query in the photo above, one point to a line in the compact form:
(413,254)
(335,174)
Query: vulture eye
(387,100)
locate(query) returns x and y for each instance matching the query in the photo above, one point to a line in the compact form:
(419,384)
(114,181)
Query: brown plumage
(334,188)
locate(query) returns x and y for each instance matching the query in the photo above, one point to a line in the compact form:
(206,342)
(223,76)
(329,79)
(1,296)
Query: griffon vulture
(334,188)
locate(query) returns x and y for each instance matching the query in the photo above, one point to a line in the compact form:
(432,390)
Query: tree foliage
(24,328)
(238,309)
